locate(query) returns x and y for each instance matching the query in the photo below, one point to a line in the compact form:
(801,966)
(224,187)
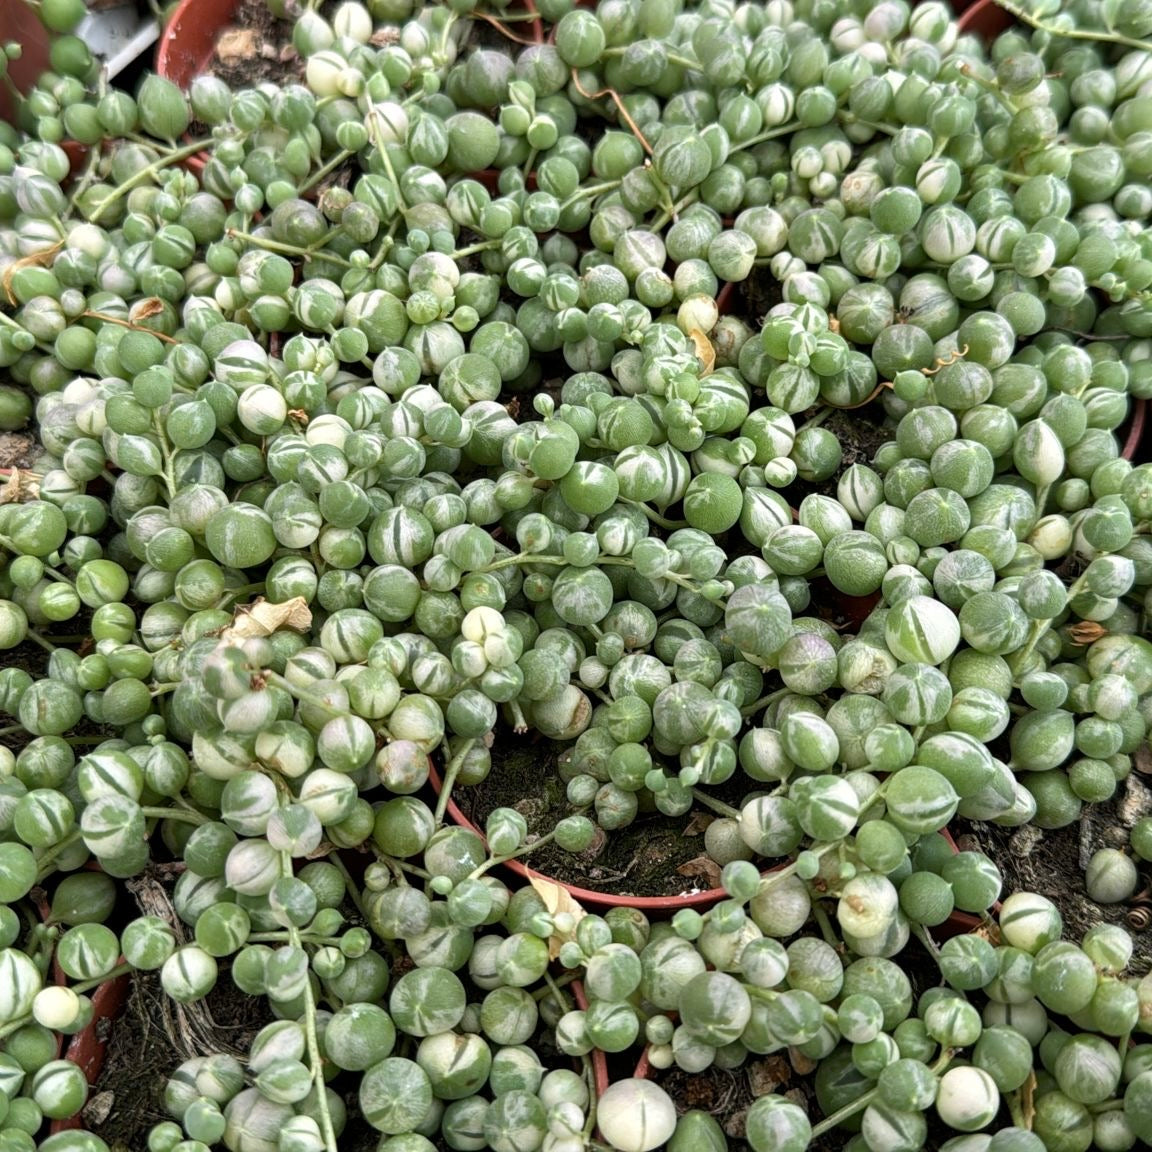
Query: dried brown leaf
(262,618)
(705,353)
(1027,1100)
(34,260)
(18,486)
(698,823)
(768,1075)
(150,306)
(1087,632)
(559,902)
(702,867)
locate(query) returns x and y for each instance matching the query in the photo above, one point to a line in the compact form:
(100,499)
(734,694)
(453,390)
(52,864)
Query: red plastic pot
(985,18)
(1135,431)
(599,1061)
(588,896)
(19,22)
(88,1048)
(959,923)
(186,45)
(184,50)
(188,42)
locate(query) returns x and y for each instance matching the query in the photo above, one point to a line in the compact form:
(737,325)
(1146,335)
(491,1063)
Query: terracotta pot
(185,47)
(985,18)
(19,22)
(88,1048)
(188,42)
(959,923)
(599,1060)
(1135,430)
(587,896)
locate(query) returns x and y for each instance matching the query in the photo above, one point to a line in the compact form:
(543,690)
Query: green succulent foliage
(437,403)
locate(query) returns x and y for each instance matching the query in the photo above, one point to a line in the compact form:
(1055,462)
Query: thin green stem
(671,57)
(587,192)
(312,1043)
(562,1001)
(763,702)
(845,1113)
(718,806)
(340,157)
(6,1030)
(925,937)
(817,418)
(182,814)
(655,517)
(472,249)
(169,474)
(767,883)
(351,886)
(524,850)
(1072,33)
(44,643)
(147,172)
(87,176)
(50,854)
(287,249)
(96,981)
(451,771)
(825,925)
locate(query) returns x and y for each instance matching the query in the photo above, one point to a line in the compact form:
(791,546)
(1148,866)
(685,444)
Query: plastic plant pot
(188,42)
(1135,431)
(184,50)
(960,923)
(88,1048)
(19,22)
(985,18)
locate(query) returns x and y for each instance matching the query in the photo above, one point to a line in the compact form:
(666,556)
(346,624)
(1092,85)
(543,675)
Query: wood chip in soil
(256,48)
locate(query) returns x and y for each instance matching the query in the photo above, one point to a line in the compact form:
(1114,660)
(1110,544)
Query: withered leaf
(262,618)
(559,902)
(703,868)
(705,353)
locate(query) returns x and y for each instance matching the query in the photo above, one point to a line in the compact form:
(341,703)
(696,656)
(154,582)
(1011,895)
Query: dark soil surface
(655,856)
(751,299)
(128,1098)
(1053,863)
(256,48)
(860,432)
(17,449)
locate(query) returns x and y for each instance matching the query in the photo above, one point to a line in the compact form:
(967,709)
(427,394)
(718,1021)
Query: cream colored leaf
(19,486)
(559,902)
(262,618)
(10,490)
